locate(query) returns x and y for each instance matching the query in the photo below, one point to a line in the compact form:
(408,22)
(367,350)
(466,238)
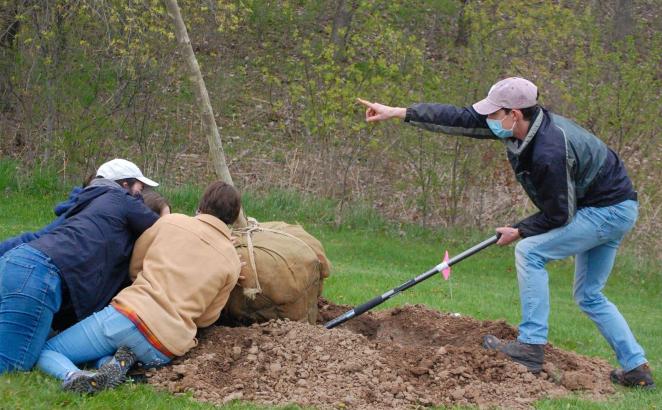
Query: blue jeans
(592,237)
(30,294)
(93,338)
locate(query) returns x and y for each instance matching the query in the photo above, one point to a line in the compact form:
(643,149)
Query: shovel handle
(378,300)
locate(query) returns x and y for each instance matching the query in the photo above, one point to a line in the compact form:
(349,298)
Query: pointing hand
(379,112)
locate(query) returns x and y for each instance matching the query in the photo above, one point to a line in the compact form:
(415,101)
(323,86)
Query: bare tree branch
(202,97)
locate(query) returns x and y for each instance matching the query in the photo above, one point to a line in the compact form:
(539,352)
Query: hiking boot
(638,377)
(110,375)
(531,356)
(80,381)
(113,372)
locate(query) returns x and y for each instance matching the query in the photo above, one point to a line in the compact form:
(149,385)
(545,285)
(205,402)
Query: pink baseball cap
(512,92)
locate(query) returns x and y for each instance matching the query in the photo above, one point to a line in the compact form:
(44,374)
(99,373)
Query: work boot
(531,356)
(79,381)
(638,377)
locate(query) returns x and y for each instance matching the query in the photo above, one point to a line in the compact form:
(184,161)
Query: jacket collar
(104,183)
(515,147)
(215,223)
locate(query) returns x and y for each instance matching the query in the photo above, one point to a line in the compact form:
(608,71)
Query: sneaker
(80,381)
(531,356)
(638,377)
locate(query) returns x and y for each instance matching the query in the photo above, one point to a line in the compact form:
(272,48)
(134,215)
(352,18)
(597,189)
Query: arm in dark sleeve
(556,200)
(139,216)
(449,119)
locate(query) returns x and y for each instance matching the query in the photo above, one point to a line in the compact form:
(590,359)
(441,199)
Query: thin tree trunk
(623,22)
(202,98)
(342,20)
(463,23)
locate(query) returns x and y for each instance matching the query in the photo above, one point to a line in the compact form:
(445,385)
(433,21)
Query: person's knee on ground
(6,365)
(30,294)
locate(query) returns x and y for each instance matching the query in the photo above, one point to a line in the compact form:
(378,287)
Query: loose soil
(400,358)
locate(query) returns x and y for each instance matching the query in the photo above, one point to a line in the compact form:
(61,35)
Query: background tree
(83,79)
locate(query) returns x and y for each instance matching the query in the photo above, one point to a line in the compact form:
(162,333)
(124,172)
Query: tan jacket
(183,269)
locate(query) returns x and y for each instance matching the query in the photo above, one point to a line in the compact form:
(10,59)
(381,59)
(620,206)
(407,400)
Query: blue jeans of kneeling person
(94,338)
(593,237)
(30,294)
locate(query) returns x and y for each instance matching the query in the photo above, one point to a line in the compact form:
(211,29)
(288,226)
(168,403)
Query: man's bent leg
(531,256)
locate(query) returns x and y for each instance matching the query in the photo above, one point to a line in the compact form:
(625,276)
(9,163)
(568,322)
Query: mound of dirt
(405,357)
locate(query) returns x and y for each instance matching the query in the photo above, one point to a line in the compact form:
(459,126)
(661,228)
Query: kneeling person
(184,269)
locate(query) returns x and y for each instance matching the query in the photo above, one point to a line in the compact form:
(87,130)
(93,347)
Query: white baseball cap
(117,169)
(512,92)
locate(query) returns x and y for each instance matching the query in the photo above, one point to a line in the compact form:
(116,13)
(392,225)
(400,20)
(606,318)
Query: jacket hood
(64,206)
(97,187)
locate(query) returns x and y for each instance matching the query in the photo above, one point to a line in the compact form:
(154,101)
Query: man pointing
(586,206)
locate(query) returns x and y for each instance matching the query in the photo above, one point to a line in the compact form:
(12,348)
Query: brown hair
(88,179)
(222,201)
(155,201)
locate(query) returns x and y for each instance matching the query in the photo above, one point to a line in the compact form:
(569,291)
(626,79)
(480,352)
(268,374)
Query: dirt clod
(400,358)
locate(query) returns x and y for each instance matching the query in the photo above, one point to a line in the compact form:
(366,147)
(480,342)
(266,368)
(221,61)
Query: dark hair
(130,181)
(527,113)
(155,201)
(222,201)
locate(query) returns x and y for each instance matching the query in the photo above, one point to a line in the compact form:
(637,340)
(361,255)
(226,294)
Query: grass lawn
(370,257)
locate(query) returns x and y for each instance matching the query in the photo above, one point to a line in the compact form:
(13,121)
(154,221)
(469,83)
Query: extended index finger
(364,102)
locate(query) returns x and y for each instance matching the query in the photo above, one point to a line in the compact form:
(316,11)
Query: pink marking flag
(446,272)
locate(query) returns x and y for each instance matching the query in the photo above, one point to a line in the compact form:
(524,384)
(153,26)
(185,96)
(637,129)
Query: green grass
(371,256)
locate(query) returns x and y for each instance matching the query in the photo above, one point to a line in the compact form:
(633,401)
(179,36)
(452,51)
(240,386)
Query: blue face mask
(497,128)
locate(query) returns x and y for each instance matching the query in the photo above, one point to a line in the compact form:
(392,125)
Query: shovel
(420,278)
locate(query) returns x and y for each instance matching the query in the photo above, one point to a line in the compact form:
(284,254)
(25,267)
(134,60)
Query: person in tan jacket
(183,270)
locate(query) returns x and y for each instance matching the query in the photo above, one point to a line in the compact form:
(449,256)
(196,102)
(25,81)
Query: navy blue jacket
(93,246)
(59,210)
(560,165)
